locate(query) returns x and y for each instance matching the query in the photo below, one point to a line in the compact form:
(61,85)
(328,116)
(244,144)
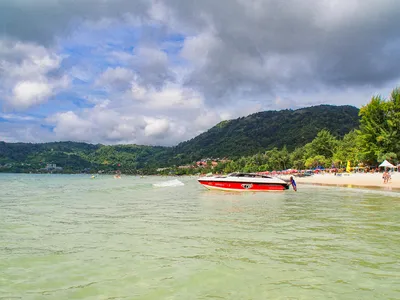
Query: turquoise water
(72,237)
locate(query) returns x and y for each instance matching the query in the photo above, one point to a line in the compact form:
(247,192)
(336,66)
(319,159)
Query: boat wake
(170,183)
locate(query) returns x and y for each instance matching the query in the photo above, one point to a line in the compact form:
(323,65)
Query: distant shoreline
(96,174)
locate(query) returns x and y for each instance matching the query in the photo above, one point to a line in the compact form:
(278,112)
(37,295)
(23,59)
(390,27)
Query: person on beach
(386,176)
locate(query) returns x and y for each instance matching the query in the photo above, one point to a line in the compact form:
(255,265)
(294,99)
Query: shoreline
(354,186)
(357,180)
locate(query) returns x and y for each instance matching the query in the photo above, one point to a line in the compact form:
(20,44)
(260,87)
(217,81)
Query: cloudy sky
(162,71)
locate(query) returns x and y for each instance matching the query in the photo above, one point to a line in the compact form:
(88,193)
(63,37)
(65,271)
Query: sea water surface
(73,237)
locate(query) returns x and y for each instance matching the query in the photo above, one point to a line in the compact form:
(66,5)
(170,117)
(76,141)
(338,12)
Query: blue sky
(161,72)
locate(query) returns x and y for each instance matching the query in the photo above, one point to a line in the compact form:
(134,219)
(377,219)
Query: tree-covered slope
(267,130)
(235,138)
(75,157)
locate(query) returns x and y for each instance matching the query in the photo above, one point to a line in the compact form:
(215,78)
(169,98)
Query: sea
(77,237)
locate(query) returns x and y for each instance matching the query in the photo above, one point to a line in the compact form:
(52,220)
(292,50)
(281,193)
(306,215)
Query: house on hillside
(205,163)
(185,167)
(162,169)
(52,168)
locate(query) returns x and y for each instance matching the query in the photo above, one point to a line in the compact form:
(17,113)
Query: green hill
(267,130)
(75,157)
(235,138)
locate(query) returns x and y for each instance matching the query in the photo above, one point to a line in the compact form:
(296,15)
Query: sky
(159,72)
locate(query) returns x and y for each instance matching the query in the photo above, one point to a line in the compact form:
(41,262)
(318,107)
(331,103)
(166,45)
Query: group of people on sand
(386,177)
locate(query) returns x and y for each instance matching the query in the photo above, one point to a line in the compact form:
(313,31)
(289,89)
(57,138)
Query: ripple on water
(70,237)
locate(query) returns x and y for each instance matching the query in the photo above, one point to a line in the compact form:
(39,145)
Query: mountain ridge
(233,138)
(288,118)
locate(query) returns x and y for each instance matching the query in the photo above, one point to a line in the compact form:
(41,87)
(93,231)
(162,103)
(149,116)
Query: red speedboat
(244,182)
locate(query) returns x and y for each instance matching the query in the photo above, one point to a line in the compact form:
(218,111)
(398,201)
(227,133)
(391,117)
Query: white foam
(170,183)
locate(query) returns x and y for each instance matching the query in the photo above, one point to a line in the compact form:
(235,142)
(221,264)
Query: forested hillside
(231,139)
(270,129)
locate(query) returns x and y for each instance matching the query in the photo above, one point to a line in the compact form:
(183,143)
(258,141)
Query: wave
(170,183)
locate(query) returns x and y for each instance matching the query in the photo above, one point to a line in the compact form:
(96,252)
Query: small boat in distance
(250,182)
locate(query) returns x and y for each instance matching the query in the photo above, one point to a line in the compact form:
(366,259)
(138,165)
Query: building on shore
(52,168)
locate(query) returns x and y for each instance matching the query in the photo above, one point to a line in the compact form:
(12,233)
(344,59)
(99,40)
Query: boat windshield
(248,175)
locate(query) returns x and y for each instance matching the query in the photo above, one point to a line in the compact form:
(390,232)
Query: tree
(380,126)
(274,159)
(297,158)
(391,157)
(324,144)
(284,157)
(348,149)
(318,160)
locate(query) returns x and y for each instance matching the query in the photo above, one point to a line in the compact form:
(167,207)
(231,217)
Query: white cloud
(164,117)
(20,132)
(156,127)
(25,74)
(159,12)
(172,96)
(117,78)
(21,60)
(29,93)
(207,117)
(111,122)
(147,65)
(14,117)
(196,48)
(151,64)
(109,126)
(70,126)
(159,72)
(150,56)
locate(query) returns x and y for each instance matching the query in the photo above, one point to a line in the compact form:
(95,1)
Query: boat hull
(243,186)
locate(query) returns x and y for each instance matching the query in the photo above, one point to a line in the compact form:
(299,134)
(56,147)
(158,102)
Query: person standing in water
(117,174)
(293,183)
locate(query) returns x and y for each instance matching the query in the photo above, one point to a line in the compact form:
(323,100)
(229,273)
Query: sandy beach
(352,180)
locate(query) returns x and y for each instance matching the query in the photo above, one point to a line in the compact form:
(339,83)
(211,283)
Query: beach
(368,180)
